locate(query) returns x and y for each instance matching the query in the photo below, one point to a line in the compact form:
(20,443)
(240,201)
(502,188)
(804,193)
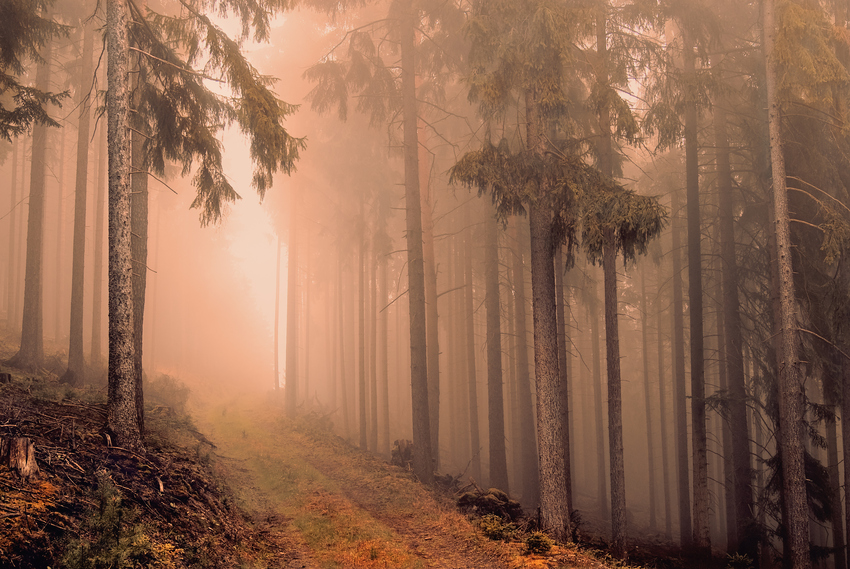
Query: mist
(595,316)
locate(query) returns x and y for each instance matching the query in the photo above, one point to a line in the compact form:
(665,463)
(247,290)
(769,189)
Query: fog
(337,227)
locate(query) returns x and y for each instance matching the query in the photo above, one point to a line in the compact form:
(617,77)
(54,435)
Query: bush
(538,542)
(167,391)
(495,528)
(110,539)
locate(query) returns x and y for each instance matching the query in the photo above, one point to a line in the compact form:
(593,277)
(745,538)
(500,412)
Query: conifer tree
(186,118)
(27,29)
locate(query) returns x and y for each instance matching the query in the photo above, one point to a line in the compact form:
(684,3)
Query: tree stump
(18,453)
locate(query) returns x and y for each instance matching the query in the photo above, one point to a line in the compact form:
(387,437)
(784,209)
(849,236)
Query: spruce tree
(186,118)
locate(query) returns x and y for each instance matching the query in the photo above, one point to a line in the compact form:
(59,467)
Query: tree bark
(373,352)
(554,507)
(702,530)
(495,394)
(679,395)
(471,371)
(343,382)
(361,335)
(791,394)
(527,445)
(741,465)
(647,394)
(291,373)
(122,419)
(431,304)
(11,275)
(383,371)
(615,404)
(31,353)
(836,520)
(663,414)
(18,454)
(612,331)
(75,373)
(139,250)
(423,465)
(97,276)
(601,479)
(563,368)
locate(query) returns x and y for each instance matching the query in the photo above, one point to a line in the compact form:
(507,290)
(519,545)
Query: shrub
(111,540)
(495,528)
(538,542)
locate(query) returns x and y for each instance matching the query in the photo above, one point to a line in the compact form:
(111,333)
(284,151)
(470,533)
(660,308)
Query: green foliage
(25,32)
(738,561)
(538,542)
(806,48)
(633,220)
(584,201)
(186,117)
(110,539)
(496,528)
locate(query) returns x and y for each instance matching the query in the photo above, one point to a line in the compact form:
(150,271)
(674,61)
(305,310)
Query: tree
(495,402)
(31,353)
(790,384)
(27,29)
(122,418)
(186,118)
(76,361)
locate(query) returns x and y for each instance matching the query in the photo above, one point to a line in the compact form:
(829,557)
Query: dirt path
(329,505)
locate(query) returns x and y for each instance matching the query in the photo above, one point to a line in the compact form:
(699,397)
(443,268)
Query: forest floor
(236,485)
(331,505)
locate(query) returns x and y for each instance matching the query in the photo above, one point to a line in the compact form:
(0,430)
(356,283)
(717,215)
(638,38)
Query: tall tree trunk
(702,530)
(663,414)
(469,313)
(277,318)
(122,419)
(373,353)
(76,362)
(423,465)
(431,303)
(612,331)
(383,371)
(836,520)
(61,238)
(746,541)
(615,405)
(647,394)
(361,335)
(598,416)
(563,367)
(680,396)
(95,359)
(791,394)
(495,394)
(11,274)
(139,250)
(31,354)
(525,410)
(343,382)
(554,505)
(291,373)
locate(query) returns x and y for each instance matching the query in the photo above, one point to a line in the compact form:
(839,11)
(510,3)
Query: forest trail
(329,505)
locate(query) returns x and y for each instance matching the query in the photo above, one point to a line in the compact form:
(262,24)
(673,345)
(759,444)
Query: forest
(589,253)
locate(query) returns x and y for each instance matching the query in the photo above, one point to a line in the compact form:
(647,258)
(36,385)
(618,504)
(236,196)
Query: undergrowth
(111,538)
